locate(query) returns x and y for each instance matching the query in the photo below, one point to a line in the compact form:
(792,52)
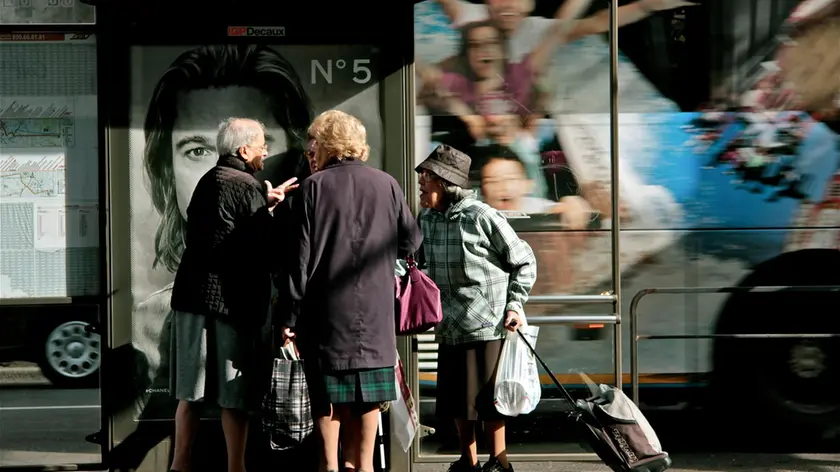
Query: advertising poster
(723,165)
(180,94)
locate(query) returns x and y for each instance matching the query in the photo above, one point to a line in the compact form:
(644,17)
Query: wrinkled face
(504,184)
(431,190)
(320,156)
(310,155)
(508,14)
(255,152)
(484,52)
(195,129)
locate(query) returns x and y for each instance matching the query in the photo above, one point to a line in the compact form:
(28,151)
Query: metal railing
(570,299)
(427,348)
(613,297)
(543,320)
(635,337)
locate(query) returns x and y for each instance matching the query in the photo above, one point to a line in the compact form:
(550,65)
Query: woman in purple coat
(353,223)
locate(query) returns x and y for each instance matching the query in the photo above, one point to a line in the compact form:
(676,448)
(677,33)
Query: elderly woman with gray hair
(485,273)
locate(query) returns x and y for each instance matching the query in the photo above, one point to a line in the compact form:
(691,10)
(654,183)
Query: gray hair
(454,194)
(235,133)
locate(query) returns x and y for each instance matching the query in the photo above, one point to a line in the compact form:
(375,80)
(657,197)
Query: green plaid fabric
(482,267)
(361,386)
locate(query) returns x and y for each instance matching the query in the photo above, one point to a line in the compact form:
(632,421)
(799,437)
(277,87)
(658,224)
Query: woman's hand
(575,212)
(277,194)
(430,77)
(476,125)
(597,194)
(512,321)
(288,335)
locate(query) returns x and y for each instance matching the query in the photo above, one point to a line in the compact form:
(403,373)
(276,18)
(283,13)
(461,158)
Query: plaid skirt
(361,386)
(349,386)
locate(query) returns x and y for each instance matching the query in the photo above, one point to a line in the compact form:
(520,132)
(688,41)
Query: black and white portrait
(180,95)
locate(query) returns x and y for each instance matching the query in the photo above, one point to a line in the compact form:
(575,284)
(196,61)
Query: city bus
(725,182)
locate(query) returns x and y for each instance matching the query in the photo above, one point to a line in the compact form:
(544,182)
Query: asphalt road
(48,426)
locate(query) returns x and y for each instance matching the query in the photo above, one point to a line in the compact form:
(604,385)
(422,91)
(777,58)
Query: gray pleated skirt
(212,362)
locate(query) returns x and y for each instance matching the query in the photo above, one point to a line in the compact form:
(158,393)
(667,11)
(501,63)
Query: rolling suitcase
(614,426)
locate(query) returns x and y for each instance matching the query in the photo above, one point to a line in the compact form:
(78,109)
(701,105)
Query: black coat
(223,270)
(351,224)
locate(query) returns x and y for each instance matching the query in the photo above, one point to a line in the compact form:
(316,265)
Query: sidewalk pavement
(27,458)
(682,462)
(708,462)
(20,374)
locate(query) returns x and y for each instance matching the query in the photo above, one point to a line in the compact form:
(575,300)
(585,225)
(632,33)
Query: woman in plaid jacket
(485,273)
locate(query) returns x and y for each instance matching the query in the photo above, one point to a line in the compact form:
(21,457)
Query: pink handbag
(418,302)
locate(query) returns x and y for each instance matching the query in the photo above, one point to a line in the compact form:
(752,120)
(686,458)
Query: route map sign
(25,127)
(49,196)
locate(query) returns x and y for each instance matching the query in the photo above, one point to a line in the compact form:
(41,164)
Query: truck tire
(70,354)
(782,384)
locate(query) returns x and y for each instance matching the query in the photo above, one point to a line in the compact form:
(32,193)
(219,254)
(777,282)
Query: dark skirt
(216,363)
(465,380)
(354,387)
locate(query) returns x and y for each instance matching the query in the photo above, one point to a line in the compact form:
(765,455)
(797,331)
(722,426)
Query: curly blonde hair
(339,135)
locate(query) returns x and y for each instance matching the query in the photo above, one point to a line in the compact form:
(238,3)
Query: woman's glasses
(310,149)
(426,175)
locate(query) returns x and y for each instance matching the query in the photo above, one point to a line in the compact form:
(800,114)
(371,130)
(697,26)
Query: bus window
(728,164)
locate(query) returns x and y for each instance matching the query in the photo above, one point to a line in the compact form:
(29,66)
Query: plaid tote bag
(287,417)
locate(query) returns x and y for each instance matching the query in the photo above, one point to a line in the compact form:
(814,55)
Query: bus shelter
(627,142)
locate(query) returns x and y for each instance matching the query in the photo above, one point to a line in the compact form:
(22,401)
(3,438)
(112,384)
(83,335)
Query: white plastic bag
(404,421)
(517,390)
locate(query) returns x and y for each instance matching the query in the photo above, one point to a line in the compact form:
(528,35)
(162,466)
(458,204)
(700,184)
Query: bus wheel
(780,383)
(70,355)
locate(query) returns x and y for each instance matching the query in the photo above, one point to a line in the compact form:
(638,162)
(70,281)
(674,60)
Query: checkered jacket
(483,270)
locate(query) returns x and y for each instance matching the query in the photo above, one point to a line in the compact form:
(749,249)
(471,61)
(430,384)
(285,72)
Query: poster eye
(198,154)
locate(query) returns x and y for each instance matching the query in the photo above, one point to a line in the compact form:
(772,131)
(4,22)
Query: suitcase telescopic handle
(565,392)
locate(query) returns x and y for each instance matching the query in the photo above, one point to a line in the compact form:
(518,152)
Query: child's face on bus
(508,14)
(484,51)
(195,129)
(504,183)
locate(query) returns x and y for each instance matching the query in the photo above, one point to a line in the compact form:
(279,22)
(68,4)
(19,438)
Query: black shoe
(463,465)
(493,465)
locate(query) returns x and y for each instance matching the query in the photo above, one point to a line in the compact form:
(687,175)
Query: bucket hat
(449,164)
